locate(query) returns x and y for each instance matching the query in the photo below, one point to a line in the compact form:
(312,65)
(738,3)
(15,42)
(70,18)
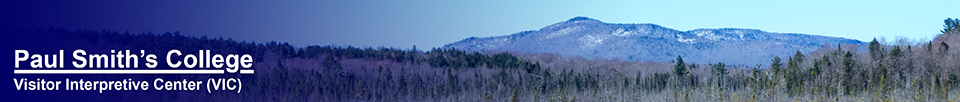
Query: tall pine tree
(680,69)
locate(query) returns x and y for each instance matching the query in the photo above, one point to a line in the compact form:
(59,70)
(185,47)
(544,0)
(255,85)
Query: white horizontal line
(246,71)
(121,71)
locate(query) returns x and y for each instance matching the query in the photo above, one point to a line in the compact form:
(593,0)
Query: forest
(903,70)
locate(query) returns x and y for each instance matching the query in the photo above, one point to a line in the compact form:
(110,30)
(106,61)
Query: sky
(427,24)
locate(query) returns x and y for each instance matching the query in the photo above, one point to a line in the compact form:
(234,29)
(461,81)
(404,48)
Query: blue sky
(427,24)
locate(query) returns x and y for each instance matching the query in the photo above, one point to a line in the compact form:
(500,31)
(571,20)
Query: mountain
(591,38)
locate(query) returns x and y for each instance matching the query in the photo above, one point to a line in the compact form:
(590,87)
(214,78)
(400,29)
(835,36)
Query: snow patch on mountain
(591,38)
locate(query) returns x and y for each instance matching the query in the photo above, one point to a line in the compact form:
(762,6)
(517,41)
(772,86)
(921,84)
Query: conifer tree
(720,72)
(875,52)
(680,69)
(775,65)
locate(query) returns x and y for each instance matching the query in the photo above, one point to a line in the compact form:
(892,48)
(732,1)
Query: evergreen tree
(944,47)
(792,73)
(680,69)
(848,64)
(950,24)
(720,72)
(775,65)
(815,71)
(896,52)
(875,51)
(798,56)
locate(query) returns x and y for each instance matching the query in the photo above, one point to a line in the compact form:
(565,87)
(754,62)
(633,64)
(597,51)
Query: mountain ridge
(588,37)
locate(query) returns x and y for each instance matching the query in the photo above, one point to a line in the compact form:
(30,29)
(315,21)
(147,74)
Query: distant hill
(591,38)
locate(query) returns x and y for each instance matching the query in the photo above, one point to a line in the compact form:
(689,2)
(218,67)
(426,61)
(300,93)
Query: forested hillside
(592,38)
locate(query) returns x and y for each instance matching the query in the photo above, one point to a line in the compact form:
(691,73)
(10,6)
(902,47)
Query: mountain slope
(592,38)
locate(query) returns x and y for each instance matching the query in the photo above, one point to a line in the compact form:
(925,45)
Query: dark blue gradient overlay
(45,28)
(49,41)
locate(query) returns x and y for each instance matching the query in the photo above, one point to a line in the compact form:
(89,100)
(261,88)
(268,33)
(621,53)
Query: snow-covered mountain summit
(592,38)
